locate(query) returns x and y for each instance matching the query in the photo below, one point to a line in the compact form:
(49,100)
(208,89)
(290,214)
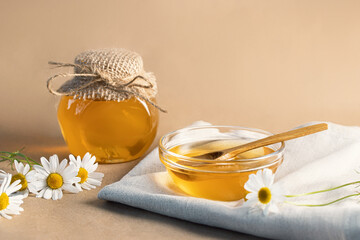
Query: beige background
(264,64)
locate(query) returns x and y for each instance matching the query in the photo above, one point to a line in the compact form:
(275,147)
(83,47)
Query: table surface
(84,216)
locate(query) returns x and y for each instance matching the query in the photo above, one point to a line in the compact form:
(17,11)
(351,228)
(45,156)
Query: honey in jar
(211,179)
(110,130)
(108,109)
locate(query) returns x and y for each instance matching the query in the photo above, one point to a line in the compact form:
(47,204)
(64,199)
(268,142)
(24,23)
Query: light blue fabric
(314,162)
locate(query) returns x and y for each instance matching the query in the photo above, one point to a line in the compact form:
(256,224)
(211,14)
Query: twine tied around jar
(109,74)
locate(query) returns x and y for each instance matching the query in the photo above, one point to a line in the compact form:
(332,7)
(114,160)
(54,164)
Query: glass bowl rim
(197,160)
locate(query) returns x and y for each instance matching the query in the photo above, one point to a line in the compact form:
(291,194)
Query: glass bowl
(213,179)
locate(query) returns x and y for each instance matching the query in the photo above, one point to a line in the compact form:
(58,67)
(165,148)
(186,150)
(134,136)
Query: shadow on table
(201,230)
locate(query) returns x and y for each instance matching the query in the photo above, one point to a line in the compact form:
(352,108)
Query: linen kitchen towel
(311,163)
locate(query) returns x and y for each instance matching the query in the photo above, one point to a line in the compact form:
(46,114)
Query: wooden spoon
(231,153)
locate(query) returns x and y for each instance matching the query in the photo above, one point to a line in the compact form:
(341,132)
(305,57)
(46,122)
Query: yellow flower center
(4,201)
(22,178)
(264,195)
(83,174)
(54,181)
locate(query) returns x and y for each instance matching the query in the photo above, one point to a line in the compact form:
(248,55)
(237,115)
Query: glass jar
(112,131)
(212,179)
(108,107)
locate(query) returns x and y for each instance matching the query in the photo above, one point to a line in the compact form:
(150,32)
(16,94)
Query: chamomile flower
(10,204)
(54,177)
(26,178)
(86,172)
(263,193)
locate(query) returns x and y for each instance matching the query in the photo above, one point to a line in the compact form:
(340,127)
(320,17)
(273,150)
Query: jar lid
(107,74)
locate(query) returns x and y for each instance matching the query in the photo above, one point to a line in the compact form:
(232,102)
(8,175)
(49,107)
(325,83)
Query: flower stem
(324,204)
(321,191)
(17,155)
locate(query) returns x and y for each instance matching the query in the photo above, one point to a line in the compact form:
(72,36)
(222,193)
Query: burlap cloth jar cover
(107,74)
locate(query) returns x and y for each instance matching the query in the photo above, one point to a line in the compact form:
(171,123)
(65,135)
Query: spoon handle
(300,132)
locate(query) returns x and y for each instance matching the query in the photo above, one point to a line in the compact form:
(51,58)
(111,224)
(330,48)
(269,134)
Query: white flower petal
(62,166)
(39,185)
(70,188)
(256,182)
(92,160)
(251,186)
(75,180)
(78,186)
(3,174)
(87,186)
(15,202)
(72,159)
(32,188)
(78,161)
(12,212)
(5,215)
(15,186)
(17,196)
(55,194)
(69,172)
(41,170)
(86,157)
(69,175)
(26,169)
(96,175)
(23,193)
(266,209)
(93,182)
(250,203)
(17,167)
(54,163)
(45,164)
(60,194)
(259,178)
(48,193)
(31,176)
(14,208)
(92,168)
(259,174)
(41,193)
(268,177)
(5,183)
(88,161)
(252,195)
